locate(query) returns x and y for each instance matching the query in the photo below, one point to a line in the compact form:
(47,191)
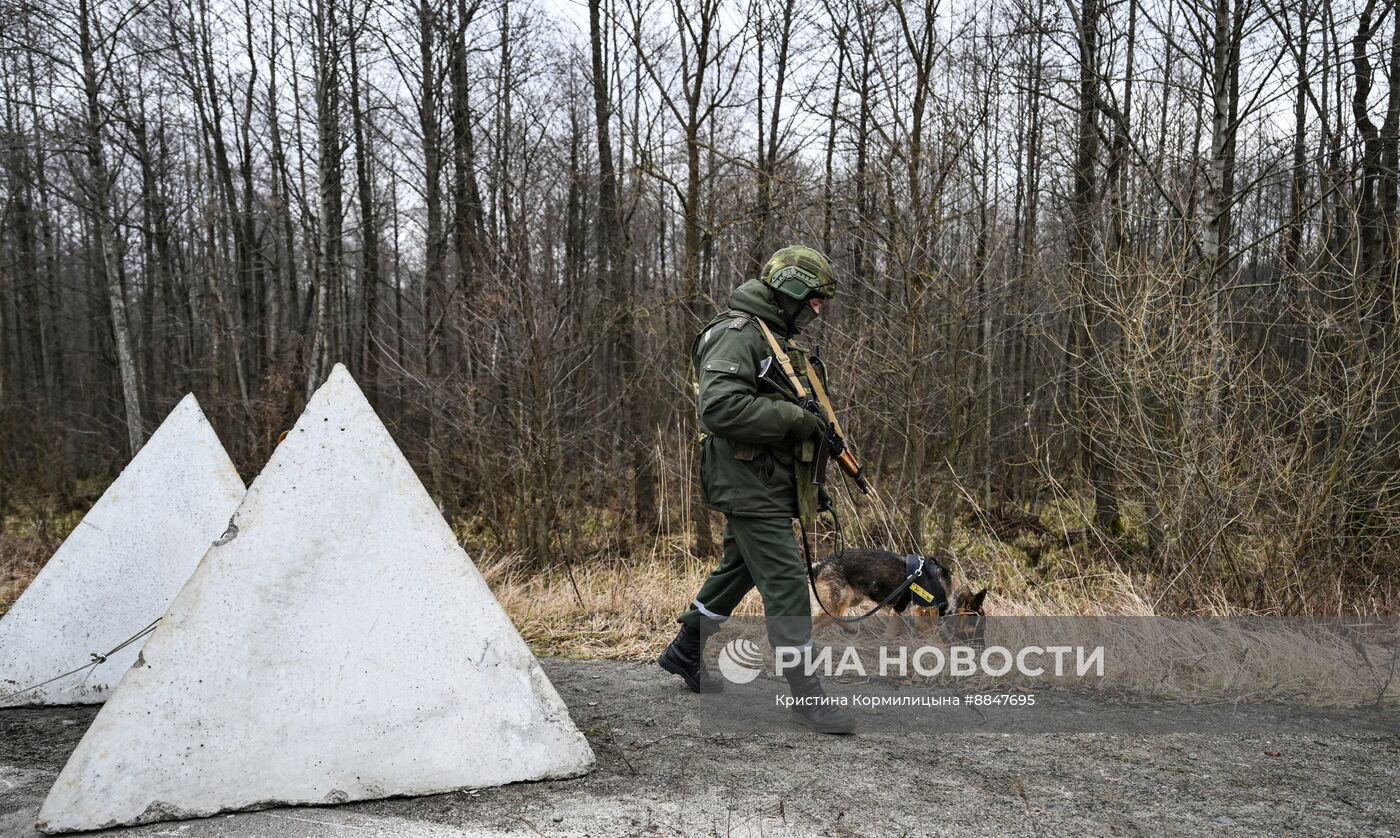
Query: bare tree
(99,205)
(1135,258)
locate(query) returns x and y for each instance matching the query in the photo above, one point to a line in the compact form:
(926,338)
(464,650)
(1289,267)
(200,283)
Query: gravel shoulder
(671,763)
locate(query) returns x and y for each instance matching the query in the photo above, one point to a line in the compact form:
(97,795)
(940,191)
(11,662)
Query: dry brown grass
(629,605)
(26,542)
(625,609)
(628,611)
(20,560)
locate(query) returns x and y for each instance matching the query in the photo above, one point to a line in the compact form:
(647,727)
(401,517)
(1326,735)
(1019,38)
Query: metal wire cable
(98,658)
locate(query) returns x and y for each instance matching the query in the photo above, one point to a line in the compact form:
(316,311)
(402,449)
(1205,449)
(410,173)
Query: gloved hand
(807,426)
(823,500)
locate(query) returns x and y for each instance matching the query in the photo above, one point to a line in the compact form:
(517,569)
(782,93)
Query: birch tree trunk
(330,215)
(104,229)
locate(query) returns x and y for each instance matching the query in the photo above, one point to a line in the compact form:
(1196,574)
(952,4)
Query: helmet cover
(799,272)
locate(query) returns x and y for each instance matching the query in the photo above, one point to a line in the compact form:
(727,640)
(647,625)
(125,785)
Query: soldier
(755,467)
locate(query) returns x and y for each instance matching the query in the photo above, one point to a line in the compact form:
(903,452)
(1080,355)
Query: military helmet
(800,272)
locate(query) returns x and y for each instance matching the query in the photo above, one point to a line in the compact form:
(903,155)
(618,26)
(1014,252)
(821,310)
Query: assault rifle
(829,443)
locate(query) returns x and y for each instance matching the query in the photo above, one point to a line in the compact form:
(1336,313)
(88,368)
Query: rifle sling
(783,360)
(818,389)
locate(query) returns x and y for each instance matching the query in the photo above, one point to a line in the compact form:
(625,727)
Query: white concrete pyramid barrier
(339,646)
(120,567)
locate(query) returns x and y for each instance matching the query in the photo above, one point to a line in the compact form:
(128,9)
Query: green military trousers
(761,552)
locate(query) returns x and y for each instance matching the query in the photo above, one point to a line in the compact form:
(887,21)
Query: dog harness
(925,585)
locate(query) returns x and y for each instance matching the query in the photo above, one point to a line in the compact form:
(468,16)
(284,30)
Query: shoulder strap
(737,319)
(783,360)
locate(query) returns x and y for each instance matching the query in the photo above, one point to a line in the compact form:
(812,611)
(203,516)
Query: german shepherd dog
(858,574)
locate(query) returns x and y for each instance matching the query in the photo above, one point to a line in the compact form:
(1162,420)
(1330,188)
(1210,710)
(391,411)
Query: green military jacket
(756,447)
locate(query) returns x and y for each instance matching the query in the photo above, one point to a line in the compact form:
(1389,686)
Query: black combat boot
(686,657)
(813,706)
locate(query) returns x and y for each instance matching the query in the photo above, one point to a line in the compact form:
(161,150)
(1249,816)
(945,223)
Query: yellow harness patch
(925,595)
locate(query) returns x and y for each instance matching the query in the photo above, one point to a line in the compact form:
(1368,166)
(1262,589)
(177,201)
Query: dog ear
(940,560)
(974,603)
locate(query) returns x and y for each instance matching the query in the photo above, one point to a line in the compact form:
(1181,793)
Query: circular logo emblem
(740,660)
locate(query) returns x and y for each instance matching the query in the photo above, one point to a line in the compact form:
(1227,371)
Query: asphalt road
(671,763)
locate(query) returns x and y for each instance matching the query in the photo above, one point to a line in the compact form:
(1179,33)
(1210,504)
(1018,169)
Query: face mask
(797,314)
(804,318)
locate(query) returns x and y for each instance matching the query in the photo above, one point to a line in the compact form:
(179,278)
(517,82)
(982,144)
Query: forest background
(1120,279)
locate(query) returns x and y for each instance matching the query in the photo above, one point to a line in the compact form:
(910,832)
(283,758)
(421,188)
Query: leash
(841,549)
(852,469)
(848,464)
